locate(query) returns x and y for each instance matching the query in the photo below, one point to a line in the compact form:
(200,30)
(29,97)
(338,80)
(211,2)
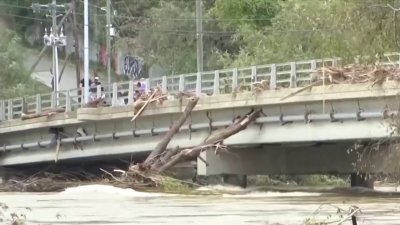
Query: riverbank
(57,179)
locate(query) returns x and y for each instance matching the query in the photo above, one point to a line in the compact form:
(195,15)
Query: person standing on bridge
(82,87)
(52,79)
(142,87)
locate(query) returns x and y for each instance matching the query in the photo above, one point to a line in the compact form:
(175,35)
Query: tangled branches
(339,216)
(380,155)
(356,73)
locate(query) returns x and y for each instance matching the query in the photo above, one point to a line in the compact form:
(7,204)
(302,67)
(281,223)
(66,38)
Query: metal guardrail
(286,75)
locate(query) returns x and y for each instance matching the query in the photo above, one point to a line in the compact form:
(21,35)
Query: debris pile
(357,73)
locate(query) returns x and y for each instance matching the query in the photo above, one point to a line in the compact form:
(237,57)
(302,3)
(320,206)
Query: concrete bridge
(307,133)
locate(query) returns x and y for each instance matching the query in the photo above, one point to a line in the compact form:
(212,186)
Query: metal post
(199,35)
(2,110)
(181,82)
(272,81)
(10,109)
(76,45)
(108,41)
(56,78)
(68,101)
(164,84)
(234,80)
(198,83)
(216,83)
(86,50)
(293,78)
(130,92)
(115,94)
(54,47)
(38,103)
(253,76)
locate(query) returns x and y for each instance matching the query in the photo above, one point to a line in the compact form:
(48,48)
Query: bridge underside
(298,158)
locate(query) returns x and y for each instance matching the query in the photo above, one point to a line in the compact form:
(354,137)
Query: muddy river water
(108,205)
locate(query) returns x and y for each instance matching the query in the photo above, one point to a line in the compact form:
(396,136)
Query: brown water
(108,205)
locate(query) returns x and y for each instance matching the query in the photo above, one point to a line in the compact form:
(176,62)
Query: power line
(177,31)
(205,32)
(170,18)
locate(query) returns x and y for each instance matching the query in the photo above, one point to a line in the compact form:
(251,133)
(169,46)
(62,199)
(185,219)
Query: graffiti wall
(124,63)
(133,67)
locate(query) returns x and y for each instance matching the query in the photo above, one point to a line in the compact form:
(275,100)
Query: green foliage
(315,29)
(239,32)
(169,184)
(236,13)
(167,37)
(14,79)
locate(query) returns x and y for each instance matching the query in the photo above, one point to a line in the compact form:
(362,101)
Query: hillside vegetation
(235,32)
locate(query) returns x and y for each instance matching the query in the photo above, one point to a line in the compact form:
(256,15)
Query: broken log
(302,89)
(47,113)
(57,149)
(162,145)
(211,142)
(138,113)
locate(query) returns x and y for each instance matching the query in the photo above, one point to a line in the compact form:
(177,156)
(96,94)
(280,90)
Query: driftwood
(356,73)
(212,142)
(162,159)
(351,74)
(143,107)
(302,89)
(57,149)
(47,113)
(162,145)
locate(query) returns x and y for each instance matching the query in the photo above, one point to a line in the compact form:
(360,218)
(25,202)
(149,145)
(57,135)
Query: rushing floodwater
(108,205)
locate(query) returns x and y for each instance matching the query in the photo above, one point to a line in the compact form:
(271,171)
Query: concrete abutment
(361,180)
(3,175)
(235,179)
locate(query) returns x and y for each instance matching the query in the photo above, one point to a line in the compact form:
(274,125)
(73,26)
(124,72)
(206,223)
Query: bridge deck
(332,95)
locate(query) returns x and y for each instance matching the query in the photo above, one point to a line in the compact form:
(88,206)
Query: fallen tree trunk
(47,113)
(162,145)
(211,142)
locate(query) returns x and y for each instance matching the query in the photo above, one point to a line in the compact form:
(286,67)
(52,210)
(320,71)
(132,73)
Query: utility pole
(199,35)
(76,44)
(54,39)
(86,49)
(55,52)
(108,41)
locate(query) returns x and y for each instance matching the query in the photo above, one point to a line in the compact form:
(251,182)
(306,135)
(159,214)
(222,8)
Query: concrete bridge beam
(297,159)
(270,160)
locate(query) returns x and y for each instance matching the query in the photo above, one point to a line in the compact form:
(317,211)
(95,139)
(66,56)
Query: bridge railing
(282,75)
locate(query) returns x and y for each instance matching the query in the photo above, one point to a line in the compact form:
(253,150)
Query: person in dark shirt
(82,83)
(82,86)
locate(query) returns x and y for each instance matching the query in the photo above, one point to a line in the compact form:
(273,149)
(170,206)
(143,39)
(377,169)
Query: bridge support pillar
(2,175)
(236,180)
(361,180)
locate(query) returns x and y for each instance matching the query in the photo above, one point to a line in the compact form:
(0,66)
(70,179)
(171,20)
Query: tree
(236,13)
(316,29)
(14,79)
(166,35)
